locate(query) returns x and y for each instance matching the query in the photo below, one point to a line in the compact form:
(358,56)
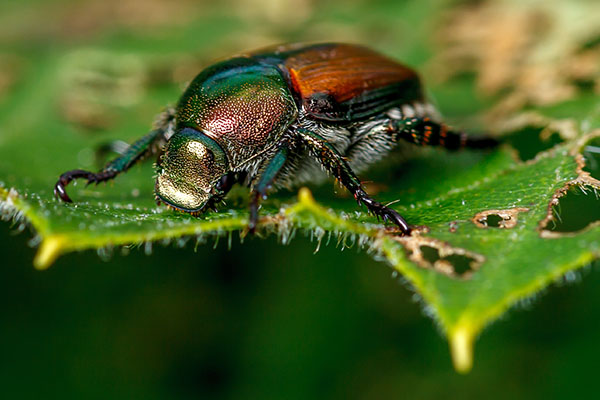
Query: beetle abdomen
(346,83)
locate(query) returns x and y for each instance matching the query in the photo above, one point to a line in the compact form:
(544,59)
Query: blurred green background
(268,321)
(260,320)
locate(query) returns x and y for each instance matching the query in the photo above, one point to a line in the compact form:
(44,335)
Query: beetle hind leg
(426,132)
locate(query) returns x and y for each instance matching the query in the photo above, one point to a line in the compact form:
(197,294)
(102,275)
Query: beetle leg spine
(335,164)
(142,148)
(423,131)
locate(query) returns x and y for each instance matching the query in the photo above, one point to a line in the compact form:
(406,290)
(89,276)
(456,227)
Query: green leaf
(489,234)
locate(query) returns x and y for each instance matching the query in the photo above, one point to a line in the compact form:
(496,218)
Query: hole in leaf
(576,210)
(591,154)
(453,264)
(462,264)
(430,254)
(503,219)
(493,220)
(529,141)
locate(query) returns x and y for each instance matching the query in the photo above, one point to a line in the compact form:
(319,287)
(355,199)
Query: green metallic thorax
(242,104)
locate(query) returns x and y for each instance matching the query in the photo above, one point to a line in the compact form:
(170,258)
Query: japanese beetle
(279,117)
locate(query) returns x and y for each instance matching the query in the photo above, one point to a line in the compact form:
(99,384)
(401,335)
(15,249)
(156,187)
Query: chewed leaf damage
(440,256)
(585,182)
(504,219)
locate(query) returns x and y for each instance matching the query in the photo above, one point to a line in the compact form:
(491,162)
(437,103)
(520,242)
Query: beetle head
(189,170)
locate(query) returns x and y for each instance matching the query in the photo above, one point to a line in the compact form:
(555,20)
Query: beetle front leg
(223,186)
(116,146)
(335,164)
(139,150)
(259,191)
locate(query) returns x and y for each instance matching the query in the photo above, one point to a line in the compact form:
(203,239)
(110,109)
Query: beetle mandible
(279,117)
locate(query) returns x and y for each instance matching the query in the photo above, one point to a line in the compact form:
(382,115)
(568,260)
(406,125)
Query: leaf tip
(49,250)
(461,348)
(305,196)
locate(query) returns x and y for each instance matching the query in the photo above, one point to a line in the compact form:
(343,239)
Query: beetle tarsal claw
(60,190)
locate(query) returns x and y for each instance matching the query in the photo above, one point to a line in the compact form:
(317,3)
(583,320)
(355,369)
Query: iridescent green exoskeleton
(281,117)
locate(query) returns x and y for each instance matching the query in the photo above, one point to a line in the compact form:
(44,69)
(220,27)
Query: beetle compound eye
(210,156)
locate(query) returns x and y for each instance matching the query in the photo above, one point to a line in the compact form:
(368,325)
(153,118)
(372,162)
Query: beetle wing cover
(345,83)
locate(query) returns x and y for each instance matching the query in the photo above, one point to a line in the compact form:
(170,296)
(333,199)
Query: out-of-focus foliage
(494,232)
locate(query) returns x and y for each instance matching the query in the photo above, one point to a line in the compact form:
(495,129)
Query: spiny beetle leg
(66,178)
(382,211)
(139,150)
(339,168)
(227,181)
(254,203)
(259,192)
(481,142)
(223,187)
(116,146)
(426,132)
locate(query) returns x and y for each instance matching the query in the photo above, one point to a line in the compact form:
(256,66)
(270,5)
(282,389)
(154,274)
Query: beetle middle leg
(335,164)
(259,191)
